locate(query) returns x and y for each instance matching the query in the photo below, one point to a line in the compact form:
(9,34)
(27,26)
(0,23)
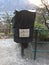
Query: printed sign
(24,32)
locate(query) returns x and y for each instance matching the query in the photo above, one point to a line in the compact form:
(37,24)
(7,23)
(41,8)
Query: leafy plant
(43,32)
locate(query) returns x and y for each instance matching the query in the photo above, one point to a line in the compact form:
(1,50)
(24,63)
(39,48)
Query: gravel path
(10,54)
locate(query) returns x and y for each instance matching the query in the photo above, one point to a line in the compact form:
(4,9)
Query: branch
(46,6)
(45,21)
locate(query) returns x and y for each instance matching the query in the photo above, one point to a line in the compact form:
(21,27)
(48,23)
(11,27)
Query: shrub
(43,31)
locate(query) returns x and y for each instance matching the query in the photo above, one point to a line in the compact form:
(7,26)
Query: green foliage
(39,17)
(40,25)
(43,32)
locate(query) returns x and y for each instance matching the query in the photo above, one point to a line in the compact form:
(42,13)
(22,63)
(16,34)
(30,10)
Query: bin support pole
(22,49)
(35,47)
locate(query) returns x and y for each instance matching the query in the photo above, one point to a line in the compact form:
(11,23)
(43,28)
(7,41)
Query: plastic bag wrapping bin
(23,26)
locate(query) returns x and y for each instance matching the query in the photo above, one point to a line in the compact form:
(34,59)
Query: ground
(10,54)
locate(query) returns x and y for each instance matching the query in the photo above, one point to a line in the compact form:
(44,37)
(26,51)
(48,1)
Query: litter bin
(23,26)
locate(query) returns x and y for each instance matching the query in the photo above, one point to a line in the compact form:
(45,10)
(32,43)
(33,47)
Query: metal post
(22,49)
(35,47)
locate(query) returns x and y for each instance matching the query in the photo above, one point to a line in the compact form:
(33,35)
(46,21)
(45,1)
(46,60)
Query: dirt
(10,54)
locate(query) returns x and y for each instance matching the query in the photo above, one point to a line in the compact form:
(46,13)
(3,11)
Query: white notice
(24,32)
